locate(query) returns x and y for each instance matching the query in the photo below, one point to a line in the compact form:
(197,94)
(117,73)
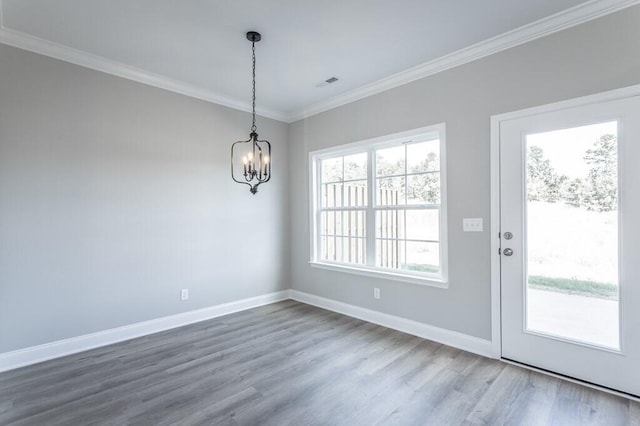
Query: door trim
(496,120)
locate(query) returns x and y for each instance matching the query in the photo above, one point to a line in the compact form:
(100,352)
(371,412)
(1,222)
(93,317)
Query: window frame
(437,131)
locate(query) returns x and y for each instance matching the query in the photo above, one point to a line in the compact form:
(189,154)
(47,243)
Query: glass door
(572,228)
(570,265)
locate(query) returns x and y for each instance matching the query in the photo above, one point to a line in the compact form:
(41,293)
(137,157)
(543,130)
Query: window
(378,207)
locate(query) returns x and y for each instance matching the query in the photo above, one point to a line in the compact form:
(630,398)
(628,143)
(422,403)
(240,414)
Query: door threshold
(611,391)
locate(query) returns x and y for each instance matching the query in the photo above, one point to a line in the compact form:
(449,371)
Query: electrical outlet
(184,294)
(376,293)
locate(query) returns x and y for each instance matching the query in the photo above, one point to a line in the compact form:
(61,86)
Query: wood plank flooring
(294,364)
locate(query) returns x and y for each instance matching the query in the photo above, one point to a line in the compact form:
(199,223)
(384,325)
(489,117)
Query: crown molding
(566,19)
(58,51)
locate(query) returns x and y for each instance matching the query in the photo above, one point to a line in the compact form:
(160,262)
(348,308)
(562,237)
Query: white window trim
(440,281)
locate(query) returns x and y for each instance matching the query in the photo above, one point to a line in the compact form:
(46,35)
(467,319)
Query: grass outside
(570,243)
(421,267)
(572,250)
(570,286)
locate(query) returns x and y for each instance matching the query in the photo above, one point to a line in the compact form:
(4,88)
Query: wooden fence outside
(350,236)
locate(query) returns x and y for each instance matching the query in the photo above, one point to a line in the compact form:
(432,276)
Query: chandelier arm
(267,177)
(239,181)
(232,175)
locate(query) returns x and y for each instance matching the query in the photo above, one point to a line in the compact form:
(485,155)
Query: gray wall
(593,57)
(115,195)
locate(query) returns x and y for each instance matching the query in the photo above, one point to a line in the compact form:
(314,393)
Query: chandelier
(255,153)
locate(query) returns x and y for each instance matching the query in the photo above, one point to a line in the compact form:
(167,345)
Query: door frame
(494,229)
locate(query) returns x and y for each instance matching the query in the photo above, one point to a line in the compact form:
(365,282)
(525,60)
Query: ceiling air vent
(327,81)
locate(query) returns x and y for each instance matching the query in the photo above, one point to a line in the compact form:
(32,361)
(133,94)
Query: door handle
(508,252)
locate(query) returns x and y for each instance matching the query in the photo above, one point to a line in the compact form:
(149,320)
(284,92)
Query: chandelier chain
(253,48)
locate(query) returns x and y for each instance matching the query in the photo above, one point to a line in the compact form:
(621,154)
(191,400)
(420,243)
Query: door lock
(508,252)
(508,235)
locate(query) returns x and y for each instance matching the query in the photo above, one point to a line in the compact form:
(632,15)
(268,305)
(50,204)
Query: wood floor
(293,364)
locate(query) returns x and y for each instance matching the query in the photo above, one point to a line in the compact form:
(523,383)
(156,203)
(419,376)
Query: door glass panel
(572,234)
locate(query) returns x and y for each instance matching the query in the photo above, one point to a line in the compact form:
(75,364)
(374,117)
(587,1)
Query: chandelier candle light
(256,154)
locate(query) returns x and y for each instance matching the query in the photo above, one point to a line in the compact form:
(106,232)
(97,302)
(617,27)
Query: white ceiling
(198,47)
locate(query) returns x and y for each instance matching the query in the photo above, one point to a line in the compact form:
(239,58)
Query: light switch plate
(472,224)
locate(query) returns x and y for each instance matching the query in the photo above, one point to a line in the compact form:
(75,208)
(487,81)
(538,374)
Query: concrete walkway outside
(587,319)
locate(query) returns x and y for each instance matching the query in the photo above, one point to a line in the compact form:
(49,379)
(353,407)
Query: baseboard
(60,348)
(47,351)
(429,332)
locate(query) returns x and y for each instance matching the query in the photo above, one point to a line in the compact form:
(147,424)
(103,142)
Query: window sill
(376,273)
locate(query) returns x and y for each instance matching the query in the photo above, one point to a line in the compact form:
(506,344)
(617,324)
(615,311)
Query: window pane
(395,252)
(324,195)
(338,223)
(327,223)
(354,223)
(422,257)
(343,249)
(338,248)
(390,224)
(423,188)
(355,166)
(390,161)
(391,191)
(353,250)
(361,251)
(423,224)
(423,156)
(331,223)
(390,253)
(331,248)
(348,224)
(355,193)
(324,249)
(410,224)
(331,170)
(332,195)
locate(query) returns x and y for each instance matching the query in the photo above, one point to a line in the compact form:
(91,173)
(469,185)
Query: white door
(570,240)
